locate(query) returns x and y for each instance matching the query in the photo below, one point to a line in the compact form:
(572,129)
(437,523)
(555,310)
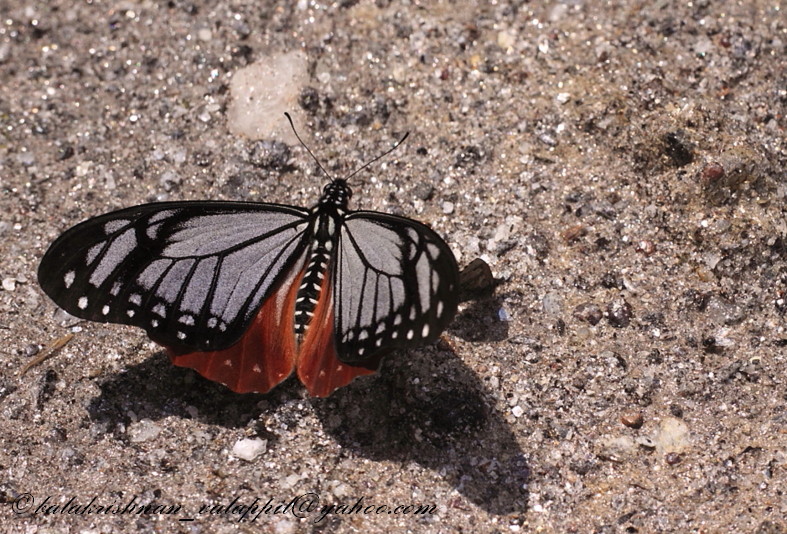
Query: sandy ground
(619,165)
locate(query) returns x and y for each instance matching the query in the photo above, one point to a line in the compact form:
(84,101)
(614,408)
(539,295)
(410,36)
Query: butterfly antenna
(307,148)
(365,165)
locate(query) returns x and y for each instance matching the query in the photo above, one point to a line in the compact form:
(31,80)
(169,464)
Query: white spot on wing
(92,253)
(153,230)
(82,303)
(425,331)
(105,310)
(68,279)
(166,214)
(119,249)
(113,226)
(135,299)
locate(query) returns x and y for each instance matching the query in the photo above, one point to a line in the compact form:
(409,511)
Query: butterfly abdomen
(324,229)
(310,290)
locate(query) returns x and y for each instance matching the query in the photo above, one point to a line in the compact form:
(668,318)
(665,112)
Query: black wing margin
(396,285)
(192,274)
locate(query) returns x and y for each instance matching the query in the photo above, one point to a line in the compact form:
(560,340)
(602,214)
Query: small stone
(249,449)
(423,191)
(724,311)
(144,430)
(517,411)
(5,52)
(712,172)
(9,284)
(285,526)
(204,34)
(632,419)
(646,247)
(615,448)
(65,319)
(506,39)
(573,233)
(589,313)
(672,458)
(552,303)
(271,155)
(619,313)
(448,207)
(26,158)
(672,436)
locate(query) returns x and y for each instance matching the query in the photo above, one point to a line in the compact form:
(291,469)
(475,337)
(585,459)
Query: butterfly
(246,293)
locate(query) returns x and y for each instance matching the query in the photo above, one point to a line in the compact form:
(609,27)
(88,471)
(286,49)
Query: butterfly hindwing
(395,282)
(191,274)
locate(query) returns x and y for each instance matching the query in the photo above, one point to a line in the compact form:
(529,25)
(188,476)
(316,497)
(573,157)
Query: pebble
(249,449)
(204,34)
(616,448)
(672,458)
(9,284)
(588,312)
(646,247)
(724,311)
(552,304)
(632,419)
(65,319)
(712,172)
(672,436)
(144,430)
(259,93)
(285,526)
(503,315)
(506,39)
(619,313)
(26,158)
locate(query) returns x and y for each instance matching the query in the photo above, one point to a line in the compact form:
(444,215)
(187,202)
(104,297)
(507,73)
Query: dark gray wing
(190,273)
(395,285)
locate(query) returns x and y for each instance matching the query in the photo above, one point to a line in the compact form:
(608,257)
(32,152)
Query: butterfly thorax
(324,228)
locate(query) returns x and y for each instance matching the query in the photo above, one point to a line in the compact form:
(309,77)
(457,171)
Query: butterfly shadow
(154,389)
(434,411)
(480,321)
(430,409)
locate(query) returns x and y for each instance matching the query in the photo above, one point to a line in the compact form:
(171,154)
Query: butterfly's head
(337,193)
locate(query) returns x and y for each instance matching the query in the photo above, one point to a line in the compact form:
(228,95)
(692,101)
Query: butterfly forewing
(190,273)
(396,283)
